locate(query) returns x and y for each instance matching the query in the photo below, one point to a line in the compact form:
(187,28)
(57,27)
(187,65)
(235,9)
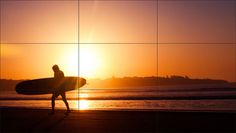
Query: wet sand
(39,120)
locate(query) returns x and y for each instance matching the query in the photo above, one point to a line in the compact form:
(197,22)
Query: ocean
(173,98)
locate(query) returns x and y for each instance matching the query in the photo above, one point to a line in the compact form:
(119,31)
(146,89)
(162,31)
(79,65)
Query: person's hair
(55,67)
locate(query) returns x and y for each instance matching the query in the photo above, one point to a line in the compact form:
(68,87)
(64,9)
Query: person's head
(55,68)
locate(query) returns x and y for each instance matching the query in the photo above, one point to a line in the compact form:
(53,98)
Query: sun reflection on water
(83,104)
(80,104)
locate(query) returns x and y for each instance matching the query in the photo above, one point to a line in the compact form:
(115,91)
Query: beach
(118,121)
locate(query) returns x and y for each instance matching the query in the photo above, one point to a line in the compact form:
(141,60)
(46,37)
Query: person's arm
(59,76)
(62,74)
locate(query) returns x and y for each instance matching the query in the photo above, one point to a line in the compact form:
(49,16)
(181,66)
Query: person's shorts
(60,90)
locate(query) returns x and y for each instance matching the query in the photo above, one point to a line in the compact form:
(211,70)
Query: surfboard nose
(83,81)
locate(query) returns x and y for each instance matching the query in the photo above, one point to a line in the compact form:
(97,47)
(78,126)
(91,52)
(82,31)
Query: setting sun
(81,60)
(89,61)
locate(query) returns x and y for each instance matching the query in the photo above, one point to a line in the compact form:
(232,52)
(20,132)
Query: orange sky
(106,60)
(95,60)
(198,60)
(54,22)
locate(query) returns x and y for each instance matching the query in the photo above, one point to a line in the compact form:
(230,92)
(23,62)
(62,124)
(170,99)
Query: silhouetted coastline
(151,81)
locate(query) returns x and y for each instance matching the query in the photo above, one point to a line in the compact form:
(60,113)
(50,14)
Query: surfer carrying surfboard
(59,89)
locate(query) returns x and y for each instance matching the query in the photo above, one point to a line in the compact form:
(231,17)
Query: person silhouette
(59,89)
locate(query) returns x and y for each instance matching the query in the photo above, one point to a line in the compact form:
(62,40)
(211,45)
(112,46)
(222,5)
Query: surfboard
(48,85)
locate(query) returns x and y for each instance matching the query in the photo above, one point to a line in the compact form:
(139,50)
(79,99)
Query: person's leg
(54,96)
(63,95)
(53,102)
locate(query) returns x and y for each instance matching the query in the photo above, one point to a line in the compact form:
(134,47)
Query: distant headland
(151,81)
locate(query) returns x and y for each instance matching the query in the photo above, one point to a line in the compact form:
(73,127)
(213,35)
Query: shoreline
(224,106)
(100,121)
